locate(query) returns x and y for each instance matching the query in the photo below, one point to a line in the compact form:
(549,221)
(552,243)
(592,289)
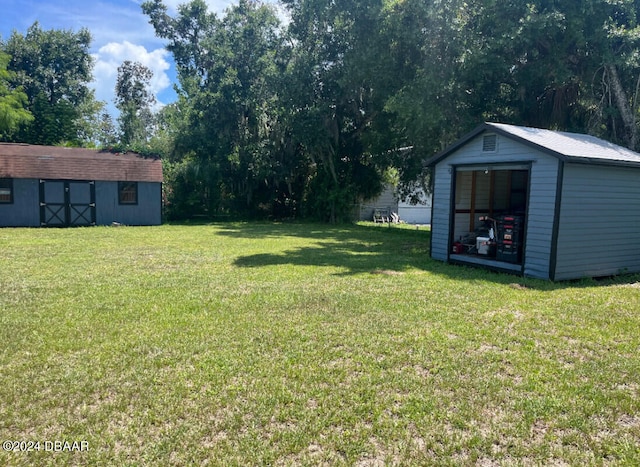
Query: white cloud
(133,29)
(120,32)
(111,56)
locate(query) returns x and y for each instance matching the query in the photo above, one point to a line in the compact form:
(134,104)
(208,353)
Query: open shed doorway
(489,212)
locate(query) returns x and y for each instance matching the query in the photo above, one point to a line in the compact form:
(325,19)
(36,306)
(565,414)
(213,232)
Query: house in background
(59,187)
(535,202)
(386,204)
(390,202)
(419,213)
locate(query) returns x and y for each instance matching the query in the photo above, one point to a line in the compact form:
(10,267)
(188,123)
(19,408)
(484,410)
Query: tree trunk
(626,112)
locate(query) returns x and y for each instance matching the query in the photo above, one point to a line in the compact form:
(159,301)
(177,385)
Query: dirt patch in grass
(629,421)
(387,272)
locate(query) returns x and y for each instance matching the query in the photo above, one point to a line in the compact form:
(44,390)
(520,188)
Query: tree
(563,65)
(346,65)
(106,134)
(228,70)
(13,103)
(134,101)
(316,117)
(53,68)
(614,99)
(186,34)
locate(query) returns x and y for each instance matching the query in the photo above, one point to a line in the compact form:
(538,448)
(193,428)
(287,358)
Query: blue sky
(120,32)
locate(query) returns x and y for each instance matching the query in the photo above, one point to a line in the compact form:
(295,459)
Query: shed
(59,187)
(539,203)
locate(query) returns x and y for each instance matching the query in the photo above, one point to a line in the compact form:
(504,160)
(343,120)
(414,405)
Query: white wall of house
(416,213)
(387,201)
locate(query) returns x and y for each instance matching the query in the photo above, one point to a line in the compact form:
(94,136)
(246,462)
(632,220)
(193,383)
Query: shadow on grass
(356,249)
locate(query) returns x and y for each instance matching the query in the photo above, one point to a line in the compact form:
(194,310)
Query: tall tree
(614,43)
(134,101)
(106,133)
(319,122)
(54,69)
(227,70)
(13,103)
(340,75)
(562,64)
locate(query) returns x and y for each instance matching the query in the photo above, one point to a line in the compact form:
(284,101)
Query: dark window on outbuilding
(6,190)
(128,192)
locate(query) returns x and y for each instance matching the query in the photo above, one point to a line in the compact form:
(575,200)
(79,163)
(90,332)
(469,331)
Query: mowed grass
(294,344)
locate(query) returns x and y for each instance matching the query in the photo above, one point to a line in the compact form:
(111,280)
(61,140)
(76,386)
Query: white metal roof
(571,145)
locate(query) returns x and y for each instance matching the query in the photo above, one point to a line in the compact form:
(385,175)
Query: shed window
(128,192)
(489,143)
(6,190)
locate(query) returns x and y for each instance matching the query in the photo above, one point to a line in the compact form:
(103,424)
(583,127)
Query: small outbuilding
(54,186)
(538,203)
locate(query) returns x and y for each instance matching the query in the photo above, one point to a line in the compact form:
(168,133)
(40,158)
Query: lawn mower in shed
(482,241)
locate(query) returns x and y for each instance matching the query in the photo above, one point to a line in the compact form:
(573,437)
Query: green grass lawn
(295,344)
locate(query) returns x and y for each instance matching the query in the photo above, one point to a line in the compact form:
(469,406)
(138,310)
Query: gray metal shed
(535,202)
(58,187)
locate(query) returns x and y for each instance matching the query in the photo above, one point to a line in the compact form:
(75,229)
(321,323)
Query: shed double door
(67,203)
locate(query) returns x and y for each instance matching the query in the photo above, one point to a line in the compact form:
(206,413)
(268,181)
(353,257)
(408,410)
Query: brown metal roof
(53,162)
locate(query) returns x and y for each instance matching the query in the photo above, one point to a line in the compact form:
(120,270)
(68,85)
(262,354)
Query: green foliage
(229,108)
(105,130)
(92,125)
(336,99)
(309,119)
(134,101)
(187,189)
(53,68)
(562,65)
(53,123)
(13,102)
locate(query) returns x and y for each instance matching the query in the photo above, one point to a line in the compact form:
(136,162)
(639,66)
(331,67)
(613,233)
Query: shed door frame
(65,203)
(472,212)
